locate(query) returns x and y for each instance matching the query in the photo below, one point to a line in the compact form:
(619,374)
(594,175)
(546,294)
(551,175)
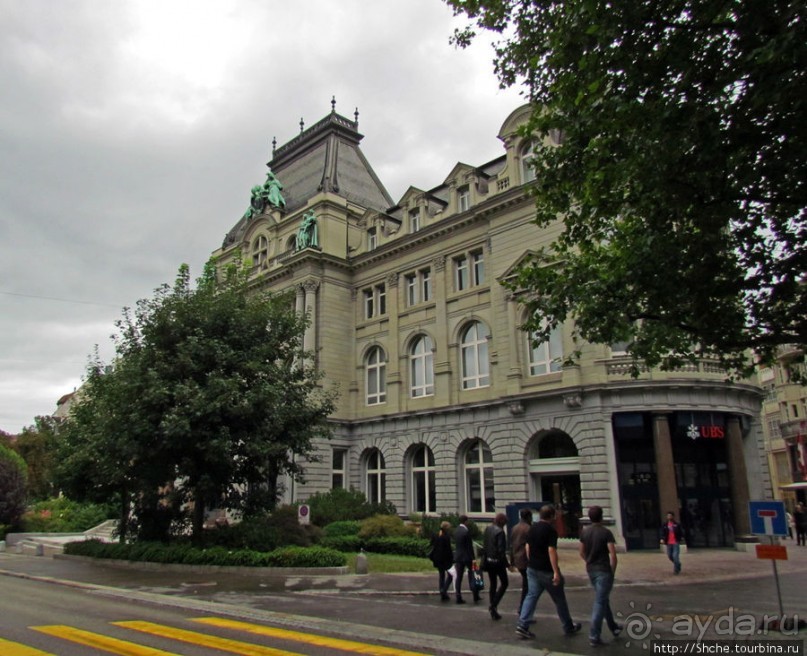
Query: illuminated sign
(708,432)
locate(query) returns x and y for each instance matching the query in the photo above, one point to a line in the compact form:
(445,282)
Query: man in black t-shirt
(598,549)
(543,573)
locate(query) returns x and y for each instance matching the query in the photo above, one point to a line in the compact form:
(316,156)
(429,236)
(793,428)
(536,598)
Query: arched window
(421,369)
(424,498)
(291,244)
(474,348)
(260,251)
(478,467)
(376,376)
(546,357)
(376,477)
(527,163)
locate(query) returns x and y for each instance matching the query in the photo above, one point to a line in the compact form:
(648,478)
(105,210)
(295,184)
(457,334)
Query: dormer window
(414,220)
(463,199)
(372,239)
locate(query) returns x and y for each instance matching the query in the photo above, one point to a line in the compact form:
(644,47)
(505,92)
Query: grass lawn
(390,563)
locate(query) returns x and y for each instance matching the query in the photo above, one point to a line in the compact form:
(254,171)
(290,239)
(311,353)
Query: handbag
(477,578)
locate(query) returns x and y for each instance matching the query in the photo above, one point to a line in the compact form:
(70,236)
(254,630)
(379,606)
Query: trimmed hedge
(155,552)
(407,546)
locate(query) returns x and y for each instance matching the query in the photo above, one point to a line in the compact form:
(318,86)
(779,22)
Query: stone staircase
(48,544)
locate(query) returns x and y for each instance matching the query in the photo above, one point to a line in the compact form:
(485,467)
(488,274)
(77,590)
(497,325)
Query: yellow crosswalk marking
(105,643)
(8,648)
(308,638)
(203,640)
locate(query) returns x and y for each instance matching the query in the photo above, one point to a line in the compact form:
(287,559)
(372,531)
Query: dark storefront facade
(681,462)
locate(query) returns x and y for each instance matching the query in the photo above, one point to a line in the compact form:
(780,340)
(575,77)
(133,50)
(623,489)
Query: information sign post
(769,518)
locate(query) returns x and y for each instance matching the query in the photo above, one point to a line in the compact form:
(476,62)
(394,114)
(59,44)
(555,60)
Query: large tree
(210,399)
(13,479)
(37,445)
(679,171)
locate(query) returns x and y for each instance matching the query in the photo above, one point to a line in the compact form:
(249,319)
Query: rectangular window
(375,301)
(469,270)
(338,468)
(478,268)
(414,220)
(418,287)
(463,199)
(372,239)
(461,273)
(426,284)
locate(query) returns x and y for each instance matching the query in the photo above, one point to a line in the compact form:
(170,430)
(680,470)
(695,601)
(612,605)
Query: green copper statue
(307,234)
(271,191)
(266,194)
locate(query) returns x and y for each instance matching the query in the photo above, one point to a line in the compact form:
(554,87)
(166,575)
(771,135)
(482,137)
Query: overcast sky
(131,133)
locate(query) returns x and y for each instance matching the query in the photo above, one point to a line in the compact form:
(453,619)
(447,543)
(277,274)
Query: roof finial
(356,116)
(274,145)
(302,125)
(333,104)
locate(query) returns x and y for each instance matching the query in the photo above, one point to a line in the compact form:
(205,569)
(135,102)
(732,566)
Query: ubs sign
(708,432)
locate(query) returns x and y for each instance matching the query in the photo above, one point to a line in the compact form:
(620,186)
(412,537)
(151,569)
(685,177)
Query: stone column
(310,338)
(738,476)
(665,467)
(514,333)
(444,389)
(393,380)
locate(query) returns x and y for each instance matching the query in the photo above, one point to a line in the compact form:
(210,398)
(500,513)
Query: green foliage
(678,167)
(281,528)
(62,515)
(431,525)
(209,386)
(13,482)
(37,445)
(340,504)
(393,564)
(342,528)
(380,526)
(403,546)
(349,543)
(156,552)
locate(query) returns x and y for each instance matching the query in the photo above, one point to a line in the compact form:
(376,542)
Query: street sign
(771,552)
(304,514)
(767,517)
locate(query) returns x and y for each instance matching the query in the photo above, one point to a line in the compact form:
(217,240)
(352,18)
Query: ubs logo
(705,432)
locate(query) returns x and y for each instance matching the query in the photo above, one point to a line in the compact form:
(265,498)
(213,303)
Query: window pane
(474,488)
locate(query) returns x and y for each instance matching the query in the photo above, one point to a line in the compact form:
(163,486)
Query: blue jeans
(537,582)
(674,554)
(602,582)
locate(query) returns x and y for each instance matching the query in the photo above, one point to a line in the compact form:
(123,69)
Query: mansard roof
(326,157)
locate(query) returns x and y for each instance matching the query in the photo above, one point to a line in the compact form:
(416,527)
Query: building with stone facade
(446,406)
(784,420)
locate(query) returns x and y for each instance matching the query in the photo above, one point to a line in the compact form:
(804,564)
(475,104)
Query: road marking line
(8,648)
(204,640)
(308,638)
(98,641)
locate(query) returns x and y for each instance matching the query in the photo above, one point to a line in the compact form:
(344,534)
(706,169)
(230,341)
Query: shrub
(402,546)
(431,525)
(384,526)
(157,552)
(62,515)
(340,504)
(263,533)
(342,529)
(348,543)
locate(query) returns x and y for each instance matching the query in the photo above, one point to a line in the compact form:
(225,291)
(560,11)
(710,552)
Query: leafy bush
(431,525)
(264,533)
(384,526)
(342,529)
(340,504)
(402,546)
(157,552)
(62,515)
(348,543)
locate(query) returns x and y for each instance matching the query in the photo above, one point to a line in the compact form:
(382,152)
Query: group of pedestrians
(533,552)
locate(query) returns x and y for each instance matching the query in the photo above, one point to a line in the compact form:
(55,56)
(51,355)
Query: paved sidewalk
(642,568)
